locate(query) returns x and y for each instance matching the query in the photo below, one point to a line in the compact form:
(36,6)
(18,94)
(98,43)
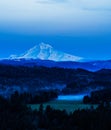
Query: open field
(69,106)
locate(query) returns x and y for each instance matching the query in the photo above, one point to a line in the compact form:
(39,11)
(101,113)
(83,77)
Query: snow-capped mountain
(45,55)
(46,52)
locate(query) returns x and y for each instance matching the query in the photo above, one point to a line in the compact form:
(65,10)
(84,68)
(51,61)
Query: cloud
(41,16)
(96,5)
(50,1)
(97,9)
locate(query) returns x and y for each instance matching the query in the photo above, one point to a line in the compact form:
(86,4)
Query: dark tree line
(17,116)
(28,98)
(99,96)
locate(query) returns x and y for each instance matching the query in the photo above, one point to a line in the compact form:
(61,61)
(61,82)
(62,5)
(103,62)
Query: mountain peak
(45,46)
(47,52)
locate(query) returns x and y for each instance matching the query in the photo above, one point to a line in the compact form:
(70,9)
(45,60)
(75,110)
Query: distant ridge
(90,66)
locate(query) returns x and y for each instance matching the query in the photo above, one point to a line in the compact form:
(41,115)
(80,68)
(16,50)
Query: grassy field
(69,106)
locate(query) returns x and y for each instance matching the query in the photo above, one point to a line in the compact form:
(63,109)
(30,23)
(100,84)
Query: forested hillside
(34,79)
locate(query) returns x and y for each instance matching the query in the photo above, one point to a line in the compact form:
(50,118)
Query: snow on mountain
(47,52)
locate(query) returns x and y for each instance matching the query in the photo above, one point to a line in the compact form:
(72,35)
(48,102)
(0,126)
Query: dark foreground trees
(17,116)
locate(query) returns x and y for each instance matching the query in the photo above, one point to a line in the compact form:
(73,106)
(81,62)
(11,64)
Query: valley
(54,95)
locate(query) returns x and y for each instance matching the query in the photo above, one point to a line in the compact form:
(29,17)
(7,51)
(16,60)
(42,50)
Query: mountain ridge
(90,66)
(46,52)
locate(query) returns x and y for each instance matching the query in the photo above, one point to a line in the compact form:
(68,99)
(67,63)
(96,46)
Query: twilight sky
(79,27)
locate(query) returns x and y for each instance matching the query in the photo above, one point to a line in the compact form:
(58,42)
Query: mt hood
(46,52)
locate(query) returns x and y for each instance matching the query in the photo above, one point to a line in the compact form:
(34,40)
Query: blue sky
(79,27)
